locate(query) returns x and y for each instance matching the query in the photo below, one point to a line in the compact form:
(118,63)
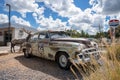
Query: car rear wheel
(62,60)
(27,53)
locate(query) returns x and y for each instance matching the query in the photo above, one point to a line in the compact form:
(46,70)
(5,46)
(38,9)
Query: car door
(34,44)
(43,44)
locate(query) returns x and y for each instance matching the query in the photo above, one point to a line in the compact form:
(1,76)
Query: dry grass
(110,70)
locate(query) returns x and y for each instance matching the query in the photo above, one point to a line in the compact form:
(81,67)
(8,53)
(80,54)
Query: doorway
(7,37)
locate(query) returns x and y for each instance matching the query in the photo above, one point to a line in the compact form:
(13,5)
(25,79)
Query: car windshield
(58,35)
(91,39)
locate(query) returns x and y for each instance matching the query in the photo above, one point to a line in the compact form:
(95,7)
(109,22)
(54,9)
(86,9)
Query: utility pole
(9,23)
(100,33)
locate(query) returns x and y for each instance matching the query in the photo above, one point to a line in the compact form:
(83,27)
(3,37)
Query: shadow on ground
(46,66)
(3,54)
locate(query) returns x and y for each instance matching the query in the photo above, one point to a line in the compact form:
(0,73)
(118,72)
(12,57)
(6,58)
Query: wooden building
(15,32)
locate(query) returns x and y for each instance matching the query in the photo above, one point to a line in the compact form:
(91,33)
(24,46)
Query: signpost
(113,24)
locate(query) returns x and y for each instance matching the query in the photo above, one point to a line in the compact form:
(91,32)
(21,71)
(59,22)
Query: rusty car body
(60,47)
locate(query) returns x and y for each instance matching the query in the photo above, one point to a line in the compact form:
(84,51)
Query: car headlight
(94,44)
(79,48)
(82,46)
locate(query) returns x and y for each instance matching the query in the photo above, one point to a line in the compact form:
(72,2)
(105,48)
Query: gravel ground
(15,67)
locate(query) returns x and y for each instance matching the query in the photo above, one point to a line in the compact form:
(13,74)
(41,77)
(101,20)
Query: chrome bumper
(86,55)
(88,62)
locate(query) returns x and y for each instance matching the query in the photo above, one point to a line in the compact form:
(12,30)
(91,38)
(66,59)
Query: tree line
(75,33)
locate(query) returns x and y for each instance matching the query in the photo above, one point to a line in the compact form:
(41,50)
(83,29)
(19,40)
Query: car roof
(50,31)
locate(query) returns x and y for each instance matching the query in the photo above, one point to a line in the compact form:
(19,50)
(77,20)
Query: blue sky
(84,15)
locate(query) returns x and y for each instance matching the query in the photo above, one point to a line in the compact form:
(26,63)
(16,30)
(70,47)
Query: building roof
(16,25)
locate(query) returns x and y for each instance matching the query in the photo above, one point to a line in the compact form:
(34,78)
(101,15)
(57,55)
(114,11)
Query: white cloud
(15,19)
(103,8)
(3,18)
(98,19)
(39,11)
(50,24)
(86,27)
(64,8)
(106,7)
(38,14)
(22,6)
(96,5)
(111,7)
(118,17)
(106,25)
(41,29)
(87,20)
(83,20)
(92,2)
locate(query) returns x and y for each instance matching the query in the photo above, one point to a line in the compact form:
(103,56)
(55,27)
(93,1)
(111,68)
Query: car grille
(86,53)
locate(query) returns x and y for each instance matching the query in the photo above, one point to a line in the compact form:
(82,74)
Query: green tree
(82,33)
(87,35)
(74,33)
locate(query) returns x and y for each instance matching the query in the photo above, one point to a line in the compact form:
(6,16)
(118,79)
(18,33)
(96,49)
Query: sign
(114,22)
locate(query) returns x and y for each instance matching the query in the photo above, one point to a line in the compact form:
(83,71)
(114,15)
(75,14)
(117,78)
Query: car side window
(42,36)
(34,38)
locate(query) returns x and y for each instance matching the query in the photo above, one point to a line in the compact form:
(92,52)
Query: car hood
(84,41)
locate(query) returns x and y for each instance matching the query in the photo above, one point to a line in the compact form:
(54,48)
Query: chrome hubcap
(63,61)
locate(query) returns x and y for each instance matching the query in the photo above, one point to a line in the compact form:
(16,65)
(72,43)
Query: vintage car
(60,47)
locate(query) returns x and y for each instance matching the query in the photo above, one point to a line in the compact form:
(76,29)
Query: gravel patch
(15,67)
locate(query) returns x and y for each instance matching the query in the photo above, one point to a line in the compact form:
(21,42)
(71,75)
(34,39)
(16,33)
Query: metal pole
(114,34)
(9,23)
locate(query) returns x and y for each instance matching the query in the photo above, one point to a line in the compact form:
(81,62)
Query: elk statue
(19,42)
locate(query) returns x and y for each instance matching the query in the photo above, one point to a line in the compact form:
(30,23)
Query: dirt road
(15,67)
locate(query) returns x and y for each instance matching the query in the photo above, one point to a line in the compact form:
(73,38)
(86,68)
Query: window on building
(21,32)
(1,34)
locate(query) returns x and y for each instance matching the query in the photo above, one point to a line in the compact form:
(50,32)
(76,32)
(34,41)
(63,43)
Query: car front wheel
(63,61)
